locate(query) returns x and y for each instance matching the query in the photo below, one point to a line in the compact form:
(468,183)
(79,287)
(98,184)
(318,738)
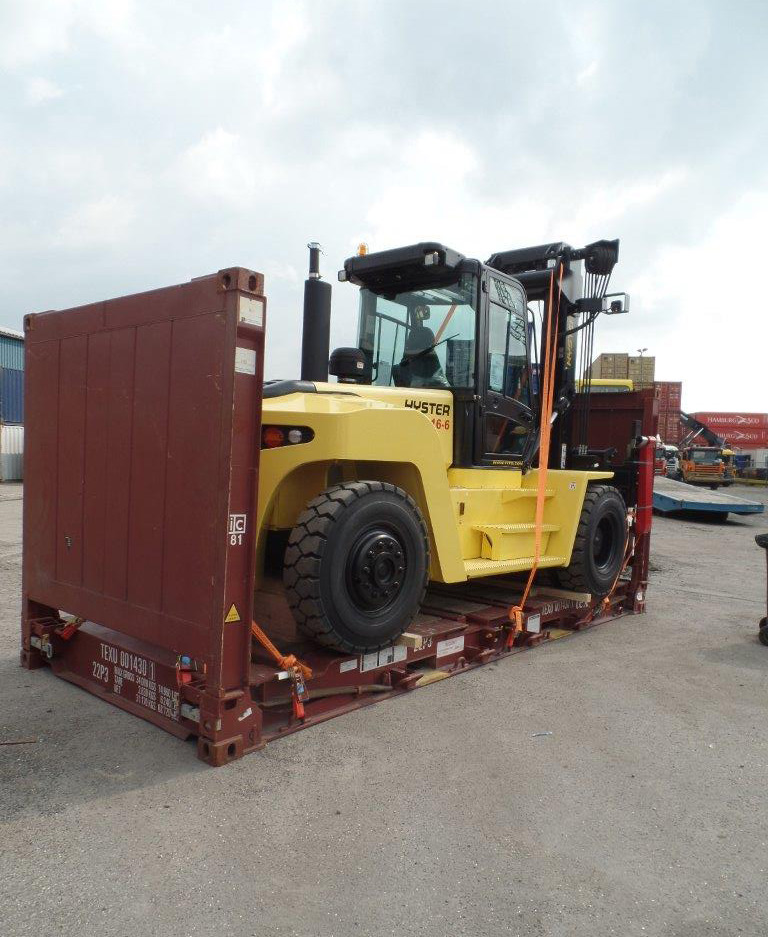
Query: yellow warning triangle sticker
(232,614)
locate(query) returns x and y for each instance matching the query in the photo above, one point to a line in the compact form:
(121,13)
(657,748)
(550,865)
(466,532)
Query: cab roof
(428,262)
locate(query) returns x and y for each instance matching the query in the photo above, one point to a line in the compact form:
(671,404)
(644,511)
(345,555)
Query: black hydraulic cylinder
(316,335)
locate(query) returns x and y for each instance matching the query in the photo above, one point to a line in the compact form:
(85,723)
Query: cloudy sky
(143,143)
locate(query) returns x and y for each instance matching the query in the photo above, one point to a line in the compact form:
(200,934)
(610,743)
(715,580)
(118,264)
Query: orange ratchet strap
(547,403)
(286,661)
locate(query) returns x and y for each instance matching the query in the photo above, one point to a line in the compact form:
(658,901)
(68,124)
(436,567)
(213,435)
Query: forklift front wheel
(598,550)
(356,566)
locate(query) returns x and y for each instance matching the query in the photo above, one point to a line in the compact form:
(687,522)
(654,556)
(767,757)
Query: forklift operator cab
(476,346)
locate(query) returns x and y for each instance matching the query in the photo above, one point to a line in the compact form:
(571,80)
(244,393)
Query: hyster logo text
(426,406)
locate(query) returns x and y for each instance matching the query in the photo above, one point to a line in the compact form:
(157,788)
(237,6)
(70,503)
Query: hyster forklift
(424,462)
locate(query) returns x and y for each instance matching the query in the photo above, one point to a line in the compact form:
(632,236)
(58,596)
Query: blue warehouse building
(11,404)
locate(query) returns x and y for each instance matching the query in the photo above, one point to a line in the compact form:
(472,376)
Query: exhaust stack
(316,335)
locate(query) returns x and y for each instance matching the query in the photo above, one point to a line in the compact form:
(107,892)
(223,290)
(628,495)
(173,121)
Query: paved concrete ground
(435,814)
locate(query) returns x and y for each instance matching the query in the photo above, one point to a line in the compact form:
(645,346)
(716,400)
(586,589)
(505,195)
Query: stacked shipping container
(640,369)
(747,431)
(11,453)
(669,394)
(612,365)
(11,349)
(11,395)
(11,404)
(742,430)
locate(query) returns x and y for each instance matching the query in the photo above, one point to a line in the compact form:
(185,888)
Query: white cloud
(32,32)
(588,72)
(41,91)
(714,337)
(617,200)
(224,169)
(103,222)
(289,31)
(419,188)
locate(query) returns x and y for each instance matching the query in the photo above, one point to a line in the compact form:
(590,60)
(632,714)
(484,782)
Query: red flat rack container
(139,550)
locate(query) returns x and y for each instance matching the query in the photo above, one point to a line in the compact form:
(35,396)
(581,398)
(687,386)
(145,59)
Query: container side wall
(191,547)
(148,465)
(130,406)
(97,466)
(71,416)
(118,446)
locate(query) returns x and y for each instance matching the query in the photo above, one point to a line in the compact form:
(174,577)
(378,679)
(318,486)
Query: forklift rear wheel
(762,634)
(356,566)
(598,550)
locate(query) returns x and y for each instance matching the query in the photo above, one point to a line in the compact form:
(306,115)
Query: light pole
(640,379)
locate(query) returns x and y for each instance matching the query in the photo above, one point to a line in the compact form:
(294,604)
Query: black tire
(598,550)
(357,565)
(762,634)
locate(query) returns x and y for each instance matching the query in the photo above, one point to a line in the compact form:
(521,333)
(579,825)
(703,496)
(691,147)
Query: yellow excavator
(421,462)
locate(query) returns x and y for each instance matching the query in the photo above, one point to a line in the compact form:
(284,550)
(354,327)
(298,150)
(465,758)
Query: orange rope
(547,403)
(287,661)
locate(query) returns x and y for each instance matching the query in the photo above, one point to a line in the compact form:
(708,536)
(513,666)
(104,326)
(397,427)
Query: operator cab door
(506,418)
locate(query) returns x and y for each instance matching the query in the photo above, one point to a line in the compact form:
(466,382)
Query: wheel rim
(376,569)
(605,543)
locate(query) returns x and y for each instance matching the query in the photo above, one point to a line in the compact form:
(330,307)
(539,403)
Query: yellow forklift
(422,462)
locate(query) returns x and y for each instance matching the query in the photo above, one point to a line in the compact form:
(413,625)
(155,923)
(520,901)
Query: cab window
(507,355)
(421,338)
